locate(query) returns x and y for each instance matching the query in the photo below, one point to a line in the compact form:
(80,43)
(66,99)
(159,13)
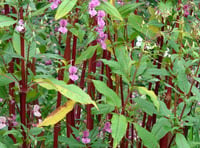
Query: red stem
(23,89)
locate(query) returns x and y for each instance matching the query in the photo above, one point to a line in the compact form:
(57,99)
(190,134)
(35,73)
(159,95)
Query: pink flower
(55,4)
(21,22)
(72,73)
(36,111)
(63,22)
(48,62)
(1,99)
(20,27)
(92,5)
(92,12)
(85,138)
(185,7)
(73,69)
(107,127)
(2,122)
(186,13)
(101,22)
(86,133)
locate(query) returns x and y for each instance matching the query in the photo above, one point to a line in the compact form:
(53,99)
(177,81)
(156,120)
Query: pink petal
(85,140)
(63,23)
(63,30)
(54,5)
(92,12)
(37,114)
(86,133)
(73,77)
(36,108)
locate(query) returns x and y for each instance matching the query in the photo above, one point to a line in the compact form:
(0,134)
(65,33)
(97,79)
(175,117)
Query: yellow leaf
(58,114)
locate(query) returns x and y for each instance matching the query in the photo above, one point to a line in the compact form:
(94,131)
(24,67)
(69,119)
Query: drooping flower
(139,41)
(36,111)
(2,122)
(186,10)
(62,28)
(107,127)
(92,5)
(85,136)
(72,73)
(20,27)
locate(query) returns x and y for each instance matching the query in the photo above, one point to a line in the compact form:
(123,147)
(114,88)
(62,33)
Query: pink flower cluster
(186,10)
(85,136)
(92,5)
(55,3)
(62,28)
(20,27)
(72,73)
(101,23)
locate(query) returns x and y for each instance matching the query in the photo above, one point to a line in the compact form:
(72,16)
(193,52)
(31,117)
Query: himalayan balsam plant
(100,73)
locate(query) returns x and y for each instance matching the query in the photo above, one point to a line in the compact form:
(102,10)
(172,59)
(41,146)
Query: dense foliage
(100,73)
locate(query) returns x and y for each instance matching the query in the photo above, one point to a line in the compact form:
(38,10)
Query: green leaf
(135,21)
(155,23)
(64,8)
(118,127)
(148,139)
(35,131)
(161,128)
(181,141)
(70,91)
(6,21)
(111,97)
(103,109)
(73,143)
(146,106)
(87,54)
(127,9)
(16,41)
(115,67)
(5,79)
(151,94)
(2,145)
(110,9)
(164,111)
(183,82)
(41,11)
(155,71)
